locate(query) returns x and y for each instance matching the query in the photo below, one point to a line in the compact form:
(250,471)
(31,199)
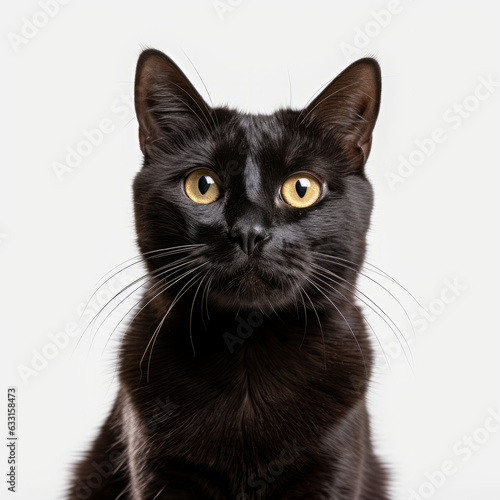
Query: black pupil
(301,187)
(204,183)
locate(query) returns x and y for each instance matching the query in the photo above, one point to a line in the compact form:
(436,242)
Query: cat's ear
(165,100)
(349,106)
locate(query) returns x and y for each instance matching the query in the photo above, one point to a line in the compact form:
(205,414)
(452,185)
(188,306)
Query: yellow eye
(203,186)
(301,190)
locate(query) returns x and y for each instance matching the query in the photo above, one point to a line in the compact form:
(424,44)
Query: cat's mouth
(251,288)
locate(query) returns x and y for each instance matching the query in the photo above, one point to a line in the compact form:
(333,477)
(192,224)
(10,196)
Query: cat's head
(258,206)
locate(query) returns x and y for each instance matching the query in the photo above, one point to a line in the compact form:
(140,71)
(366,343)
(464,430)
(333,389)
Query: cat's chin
(252,293)
(247,302)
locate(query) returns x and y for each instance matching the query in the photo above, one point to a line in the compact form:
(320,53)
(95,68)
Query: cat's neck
(261,348)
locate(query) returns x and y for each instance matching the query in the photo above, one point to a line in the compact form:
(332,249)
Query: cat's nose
(248,235)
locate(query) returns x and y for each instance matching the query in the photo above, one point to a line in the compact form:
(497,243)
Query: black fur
(254,386)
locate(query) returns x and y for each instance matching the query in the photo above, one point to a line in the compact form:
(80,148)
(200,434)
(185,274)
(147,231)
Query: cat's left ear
(348,107)
(165,100)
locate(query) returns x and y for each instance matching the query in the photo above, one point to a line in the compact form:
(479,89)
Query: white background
(60,236)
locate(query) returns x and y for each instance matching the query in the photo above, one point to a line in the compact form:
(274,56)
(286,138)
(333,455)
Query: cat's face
(264,197)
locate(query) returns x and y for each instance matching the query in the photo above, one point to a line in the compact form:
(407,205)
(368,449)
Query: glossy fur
(253,385)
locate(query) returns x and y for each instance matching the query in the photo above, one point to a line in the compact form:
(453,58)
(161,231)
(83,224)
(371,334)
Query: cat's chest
(242,408)
(216,405)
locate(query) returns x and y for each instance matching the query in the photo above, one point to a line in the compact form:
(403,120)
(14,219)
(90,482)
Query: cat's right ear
(349,107)
(165,100)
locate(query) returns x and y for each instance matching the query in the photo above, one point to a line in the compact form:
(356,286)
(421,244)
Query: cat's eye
(203,186)
(301,190)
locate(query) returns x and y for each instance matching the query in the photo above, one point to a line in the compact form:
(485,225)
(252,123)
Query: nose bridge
(245,201)
(248,222)
(248,214)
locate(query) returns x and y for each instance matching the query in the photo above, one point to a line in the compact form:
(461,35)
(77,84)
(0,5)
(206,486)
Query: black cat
(243,372)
